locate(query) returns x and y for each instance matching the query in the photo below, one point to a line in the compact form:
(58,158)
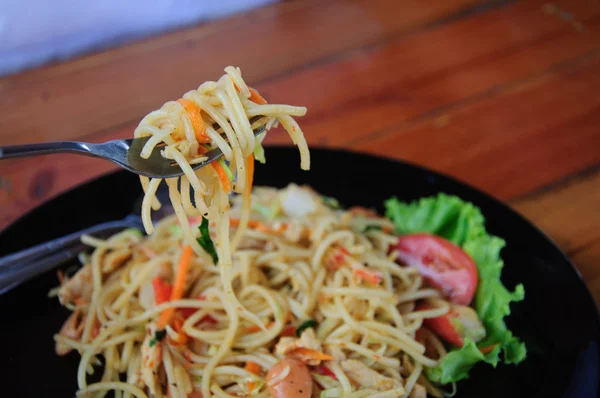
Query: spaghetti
(301,291)
(287,269)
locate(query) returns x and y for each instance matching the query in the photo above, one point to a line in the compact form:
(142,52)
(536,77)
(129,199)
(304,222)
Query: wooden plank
(569,214)
(529,135)
(370,92)
(416,65)
(101,91)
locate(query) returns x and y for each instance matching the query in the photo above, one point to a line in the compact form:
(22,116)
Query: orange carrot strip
(313,354)
(162,290)
(256,97)
(193,112)
(223,177)
(250,386)
(369,276)
(252,224)
(250,173)
(180,275)
(252,367)
(487,349)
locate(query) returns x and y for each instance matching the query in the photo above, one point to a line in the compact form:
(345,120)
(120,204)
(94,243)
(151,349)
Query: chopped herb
(331,202)
(305,325)
(158,336)
(206,241)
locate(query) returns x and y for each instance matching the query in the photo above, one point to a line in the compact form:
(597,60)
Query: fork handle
(44,148)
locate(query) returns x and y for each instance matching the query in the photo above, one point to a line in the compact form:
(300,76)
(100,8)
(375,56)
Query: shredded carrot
(325,371)
(180,276)
(288,331)
(256,328)
(336,257)
(369,276)
(223,177)
(250,174)
(487,349)
(178,327)
(162,290)
(193,112)
(344,251)
(259,226)
(256,97)
(252,367)
(250,386)
(313,354)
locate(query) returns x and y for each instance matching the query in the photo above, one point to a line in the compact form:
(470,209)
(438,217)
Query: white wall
(33,32)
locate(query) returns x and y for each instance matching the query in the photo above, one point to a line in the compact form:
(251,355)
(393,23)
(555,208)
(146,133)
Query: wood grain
(372,93)
(568,213)
(527,135)
(107,89)
(102,96)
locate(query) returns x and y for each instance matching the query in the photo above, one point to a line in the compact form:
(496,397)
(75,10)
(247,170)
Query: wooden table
(502,94)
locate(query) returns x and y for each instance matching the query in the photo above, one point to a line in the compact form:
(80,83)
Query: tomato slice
(441,263)
(460,322)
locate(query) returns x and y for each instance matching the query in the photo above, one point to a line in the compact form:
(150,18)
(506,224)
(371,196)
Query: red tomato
(460,322)
(441,263)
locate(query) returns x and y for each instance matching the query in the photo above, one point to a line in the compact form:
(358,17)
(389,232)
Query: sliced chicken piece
(367,377)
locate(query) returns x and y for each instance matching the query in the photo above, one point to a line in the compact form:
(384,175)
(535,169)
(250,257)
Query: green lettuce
(463,224)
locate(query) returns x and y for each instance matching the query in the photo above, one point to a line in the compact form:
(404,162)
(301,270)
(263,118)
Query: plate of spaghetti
(292,272)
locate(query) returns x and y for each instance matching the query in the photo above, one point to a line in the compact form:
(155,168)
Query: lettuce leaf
(463,224)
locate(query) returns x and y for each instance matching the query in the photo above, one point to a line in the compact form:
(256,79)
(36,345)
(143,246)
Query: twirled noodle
(285,270)
(282,257)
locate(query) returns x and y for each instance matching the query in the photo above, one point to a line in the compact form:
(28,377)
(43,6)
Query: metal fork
(125,153)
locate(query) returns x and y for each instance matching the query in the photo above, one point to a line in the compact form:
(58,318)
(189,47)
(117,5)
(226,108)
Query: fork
(125,153)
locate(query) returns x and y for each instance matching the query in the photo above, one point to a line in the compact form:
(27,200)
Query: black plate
(558,319)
